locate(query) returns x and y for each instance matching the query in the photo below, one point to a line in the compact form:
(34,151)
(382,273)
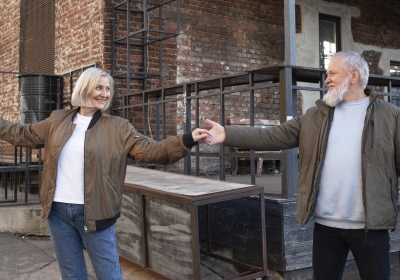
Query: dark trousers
(370,250)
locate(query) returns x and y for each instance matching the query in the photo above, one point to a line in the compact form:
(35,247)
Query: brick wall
(216,38)
(378,24)
(222,37)
(372,58)
(82,36)
(9,58)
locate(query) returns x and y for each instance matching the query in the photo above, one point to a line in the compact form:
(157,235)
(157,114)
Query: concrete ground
(272,183)
(32,258)
(29,254)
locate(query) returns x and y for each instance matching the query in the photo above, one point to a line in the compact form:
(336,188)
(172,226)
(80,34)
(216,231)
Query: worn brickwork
(79,34)
(82,37)
(9,59)
(378,24)
(372,57)
(221,37)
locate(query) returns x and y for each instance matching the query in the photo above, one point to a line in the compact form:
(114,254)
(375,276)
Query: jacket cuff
(228,136)
(188,140)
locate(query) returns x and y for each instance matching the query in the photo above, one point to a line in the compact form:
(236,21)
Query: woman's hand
(199,134)
(216,135)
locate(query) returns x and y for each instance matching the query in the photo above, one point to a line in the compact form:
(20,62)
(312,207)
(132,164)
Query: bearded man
(349,161)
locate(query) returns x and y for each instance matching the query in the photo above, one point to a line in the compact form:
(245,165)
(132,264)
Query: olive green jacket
(109,141)
(380,156)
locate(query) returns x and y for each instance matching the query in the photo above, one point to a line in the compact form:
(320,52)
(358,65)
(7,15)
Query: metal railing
(20,176)
(151,110)
(20,168)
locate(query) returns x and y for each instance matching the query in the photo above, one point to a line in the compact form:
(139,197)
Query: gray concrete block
(23,220)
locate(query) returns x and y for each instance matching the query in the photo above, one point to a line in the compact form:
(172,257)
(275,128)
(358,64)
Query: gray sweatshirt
(339,201)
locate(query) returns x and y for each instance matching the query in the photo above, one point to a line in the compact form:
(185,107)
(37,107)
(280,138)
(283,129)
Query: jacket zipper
(142,137)
(320,166)
(372,134)
(84,185)
(364,144)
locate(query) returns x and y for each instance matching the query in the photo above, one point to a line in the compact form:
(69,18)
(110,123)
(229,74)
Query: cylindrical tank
(38,97)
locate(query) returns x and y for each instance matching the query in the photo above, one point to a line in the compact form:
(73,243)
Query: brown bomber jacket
(109,141)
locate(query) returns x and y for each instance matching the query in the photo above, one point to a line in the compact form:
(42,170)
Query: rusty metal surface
(37,36)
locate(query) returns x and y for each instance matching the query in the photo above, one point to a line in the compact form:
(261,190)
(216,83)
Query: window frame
(337,21)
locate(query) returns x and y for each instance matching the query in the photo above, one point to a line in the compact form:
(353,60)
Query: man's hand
(216,135)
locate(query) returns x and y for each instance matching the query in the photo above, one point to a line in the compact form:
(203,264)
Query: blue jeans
(66,224)
(370,250)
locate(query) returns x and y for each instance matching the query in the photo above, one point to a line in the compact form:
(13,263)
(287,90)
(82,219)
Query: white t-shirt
(340,200)
(70,174)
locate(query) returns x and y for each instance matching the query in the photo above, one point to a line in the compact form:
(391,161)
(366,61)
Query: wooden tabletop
(177,183)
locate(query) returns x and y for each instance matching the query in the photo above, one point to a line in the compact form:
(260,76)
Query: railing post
(164,110)
(222,122)
(288,108)
(390,90)
(188,127)
(252,106)
(196,89)
(322,85)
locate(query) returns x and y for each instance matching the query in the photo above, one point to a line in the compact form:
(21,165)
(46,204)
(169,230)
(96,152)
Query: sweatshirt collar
(327,109)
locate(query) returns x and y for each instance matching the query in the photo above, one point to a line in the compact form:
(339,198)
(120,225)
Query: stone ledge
(23,220)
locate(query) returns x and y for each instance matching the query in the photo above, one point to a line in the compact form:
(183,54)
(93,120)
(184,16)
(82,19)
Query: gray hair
(351,61)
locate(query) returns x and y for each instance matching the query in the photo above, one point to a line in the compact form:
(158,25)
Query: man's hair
(86,84)
(351,61)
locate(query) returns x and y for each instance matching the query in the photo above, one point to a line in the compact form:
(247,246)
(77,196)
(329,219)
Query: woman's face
(101,94)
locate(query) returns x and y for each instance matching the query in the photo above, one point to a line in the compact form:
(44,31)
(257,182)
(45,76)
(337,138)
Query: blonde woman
(84,170)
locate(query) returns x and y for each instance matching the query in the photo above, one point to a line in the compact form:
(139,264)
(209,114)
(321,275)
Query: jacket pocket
(113,185)
(394,200)
(43,187)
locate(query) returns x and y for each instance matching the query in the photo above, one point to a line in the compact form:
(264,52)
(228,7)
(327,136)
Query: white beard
(333,97)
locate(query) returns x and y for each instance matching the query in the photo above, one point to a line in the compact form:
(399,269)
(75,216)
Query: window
(329,38)
(395,71)
(395,68)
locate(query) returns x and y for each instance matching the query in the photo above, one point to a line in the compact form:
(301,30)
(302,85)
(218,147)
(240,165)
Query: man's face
(336,74)
(338,81)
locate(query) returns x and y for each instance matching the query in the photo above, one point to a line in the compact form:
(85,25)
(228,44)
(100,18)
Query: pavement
(32,258)
(28,254)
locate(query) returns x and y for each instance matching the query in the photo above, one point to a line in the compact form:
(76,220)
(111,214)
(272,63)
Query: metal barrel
(38,97)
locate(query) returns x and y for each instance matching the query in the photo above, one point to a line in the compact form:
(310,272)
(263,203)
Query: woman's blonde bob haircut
(86,84)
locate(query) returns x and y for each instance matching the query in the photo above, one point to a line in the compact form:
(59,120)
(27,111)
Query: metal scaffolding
(136,25)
